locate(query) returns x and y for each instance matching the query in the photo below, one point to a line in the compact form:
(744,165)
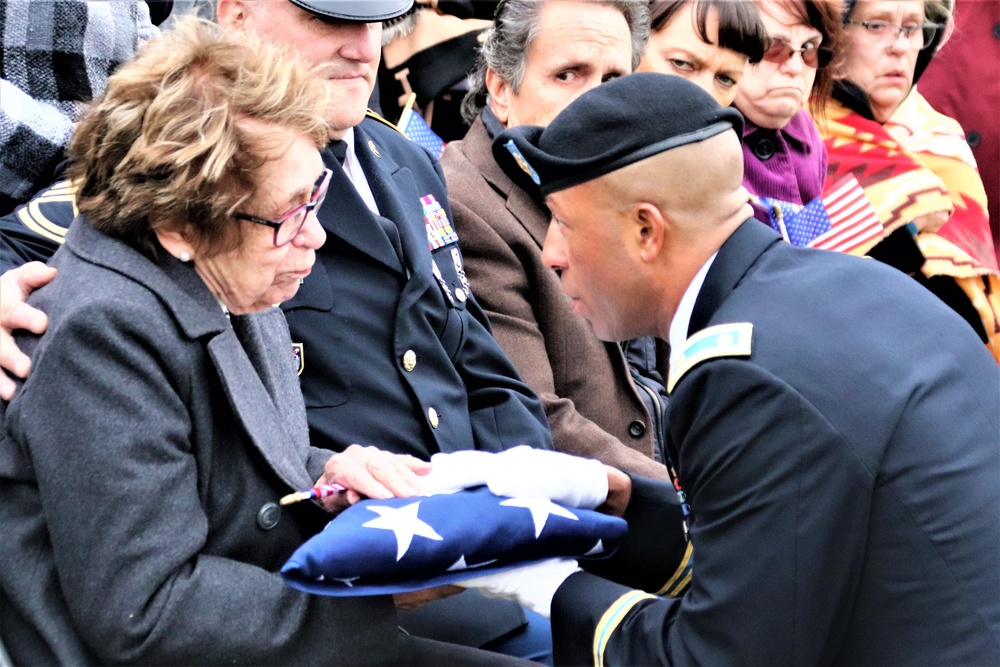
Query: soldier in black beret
(840,513)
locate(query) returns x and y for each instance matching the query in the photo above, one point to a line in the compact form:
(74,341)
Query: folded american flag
(379,547)
(842,219)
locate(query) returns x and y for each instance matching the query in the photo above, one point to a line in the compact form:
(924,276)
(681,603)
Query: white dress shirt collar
(352,167)
(678,334)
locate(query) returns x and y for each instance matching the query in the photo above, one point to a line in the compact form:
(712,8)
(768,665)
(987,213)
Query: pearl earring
(185,257)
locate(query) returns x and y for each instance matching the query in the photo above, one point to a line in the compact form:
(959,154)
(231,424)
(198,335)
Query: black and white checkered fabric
(56,55)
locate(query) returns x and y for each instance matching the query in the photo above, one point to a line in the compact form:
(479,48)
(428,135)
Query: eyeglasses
(812,55)
(919,36)
(288,225)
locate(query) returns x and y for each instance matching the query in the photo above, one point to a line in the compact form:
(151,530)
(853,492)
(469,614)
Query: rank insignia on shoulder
(375,116)
(521,162)
(300,357)
(722,340)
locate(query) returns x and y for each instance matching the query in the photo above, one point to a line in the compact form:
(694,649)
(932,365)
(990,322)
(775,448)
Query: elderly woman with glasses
(784,156)
(912,161)
(144,457)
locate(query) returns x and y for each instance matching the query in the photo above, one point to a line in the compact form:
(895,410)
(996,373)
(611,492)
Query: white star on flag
(540,509)
(460,564)
(404,523)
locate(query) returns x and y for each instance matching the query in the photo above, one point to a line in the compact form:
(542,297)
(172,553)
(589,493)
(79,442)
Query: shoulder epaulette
(722,340)
(374,116)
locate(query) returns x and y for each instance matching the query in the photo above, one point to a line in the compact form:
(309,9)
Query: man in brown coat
(535,60)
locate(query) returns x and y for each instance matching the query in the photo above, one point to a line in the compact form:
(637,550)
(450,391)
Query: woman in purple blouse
(783,153)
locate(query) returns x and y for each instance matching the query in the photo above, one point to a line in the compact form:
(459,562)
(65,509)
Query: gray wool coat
(139,465)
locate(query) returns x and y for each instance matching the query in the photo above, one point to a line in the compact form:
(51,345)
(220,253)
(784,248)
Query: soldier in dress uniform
(841,514)
(393,350)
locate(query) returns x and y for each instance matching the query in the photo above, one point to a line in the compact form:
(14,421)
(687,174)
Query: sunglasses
(288,225)
(812,55)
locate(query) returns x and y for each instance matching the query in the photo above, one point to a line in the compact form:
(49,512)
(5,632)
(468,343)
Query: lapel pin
(371,145)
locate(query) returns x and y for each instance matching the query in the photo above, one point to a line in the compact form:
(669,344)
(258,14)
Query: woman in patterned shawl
(912,161)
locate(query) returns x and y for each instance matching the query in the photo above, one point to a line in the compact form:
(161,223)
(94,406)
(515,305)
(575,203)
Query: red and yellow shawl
(918,168)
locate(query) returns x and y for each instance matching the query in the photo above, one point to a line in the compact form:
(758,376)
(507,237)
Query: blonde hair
(168,145)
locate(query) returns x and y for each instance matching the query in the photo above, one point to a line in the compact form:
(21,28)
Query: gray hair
(506,42)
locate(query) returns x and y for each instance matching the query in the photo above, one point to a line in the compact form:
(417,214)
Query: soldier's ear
(499,100)
(649,228)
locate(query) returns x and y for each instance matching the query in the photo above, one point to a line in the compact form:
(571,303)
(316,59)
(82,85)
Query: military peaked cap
(611,126)
(367,11)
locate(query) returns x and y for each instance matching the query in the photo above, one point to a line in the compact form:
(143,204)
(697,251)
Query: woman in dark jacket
(142,460)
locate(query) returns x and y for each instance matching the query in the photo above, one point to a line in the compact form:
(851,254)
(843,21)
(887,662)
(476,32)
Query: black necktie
(338,147)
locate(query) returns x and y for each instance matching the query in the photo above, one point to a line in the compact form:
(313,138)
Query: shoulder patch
(722,340)
(374,116)
(50,214)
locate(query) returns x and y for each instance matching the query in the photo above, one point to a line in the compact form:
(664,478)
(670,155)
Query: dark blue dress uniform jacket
(843,477)
(377,332)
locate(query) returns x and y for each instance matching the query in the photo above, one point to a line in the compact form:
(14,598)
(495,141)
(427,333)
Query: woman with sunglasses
(784,156)
(912,161)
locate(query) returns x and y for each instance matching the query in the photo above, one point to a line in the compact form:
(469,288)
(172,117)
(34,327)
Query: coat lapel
(255,410)
(346,216)
(398,199)
(735,258)
(533,216)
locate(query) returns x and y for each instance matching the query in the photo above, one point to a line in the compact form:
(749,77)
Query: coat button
(432,417)
(460,294)
(268,515)
(973,138)
(996,30)
(636,429)
(764,149)
(409,360)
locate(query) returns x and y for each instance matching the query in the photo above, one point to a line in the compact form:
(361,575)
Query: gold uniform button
(409,360)
(460,294)
(432,417)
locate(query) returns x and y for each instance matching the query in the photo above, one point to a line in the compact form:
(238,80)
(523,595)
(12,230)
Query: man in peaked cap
(393,350)
(841,513)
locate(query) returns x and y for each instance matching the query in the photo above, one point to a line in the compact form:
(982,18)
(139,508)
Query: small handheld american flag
(842,219)
(416,129)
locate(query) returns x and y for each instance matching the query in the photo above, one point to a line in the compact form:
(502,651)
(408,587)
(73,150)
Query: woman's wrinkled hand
(369,472)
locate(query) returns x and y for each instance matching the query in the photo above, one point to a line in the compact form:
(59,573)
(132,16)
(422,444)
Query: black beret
(367,11)
(611,126)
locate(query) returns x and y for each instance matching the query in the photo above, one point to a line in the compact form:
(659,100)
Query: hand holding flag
(843,219)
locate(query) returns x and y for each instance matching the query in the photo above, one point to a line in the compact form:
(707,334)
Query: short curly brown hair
(179,136)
